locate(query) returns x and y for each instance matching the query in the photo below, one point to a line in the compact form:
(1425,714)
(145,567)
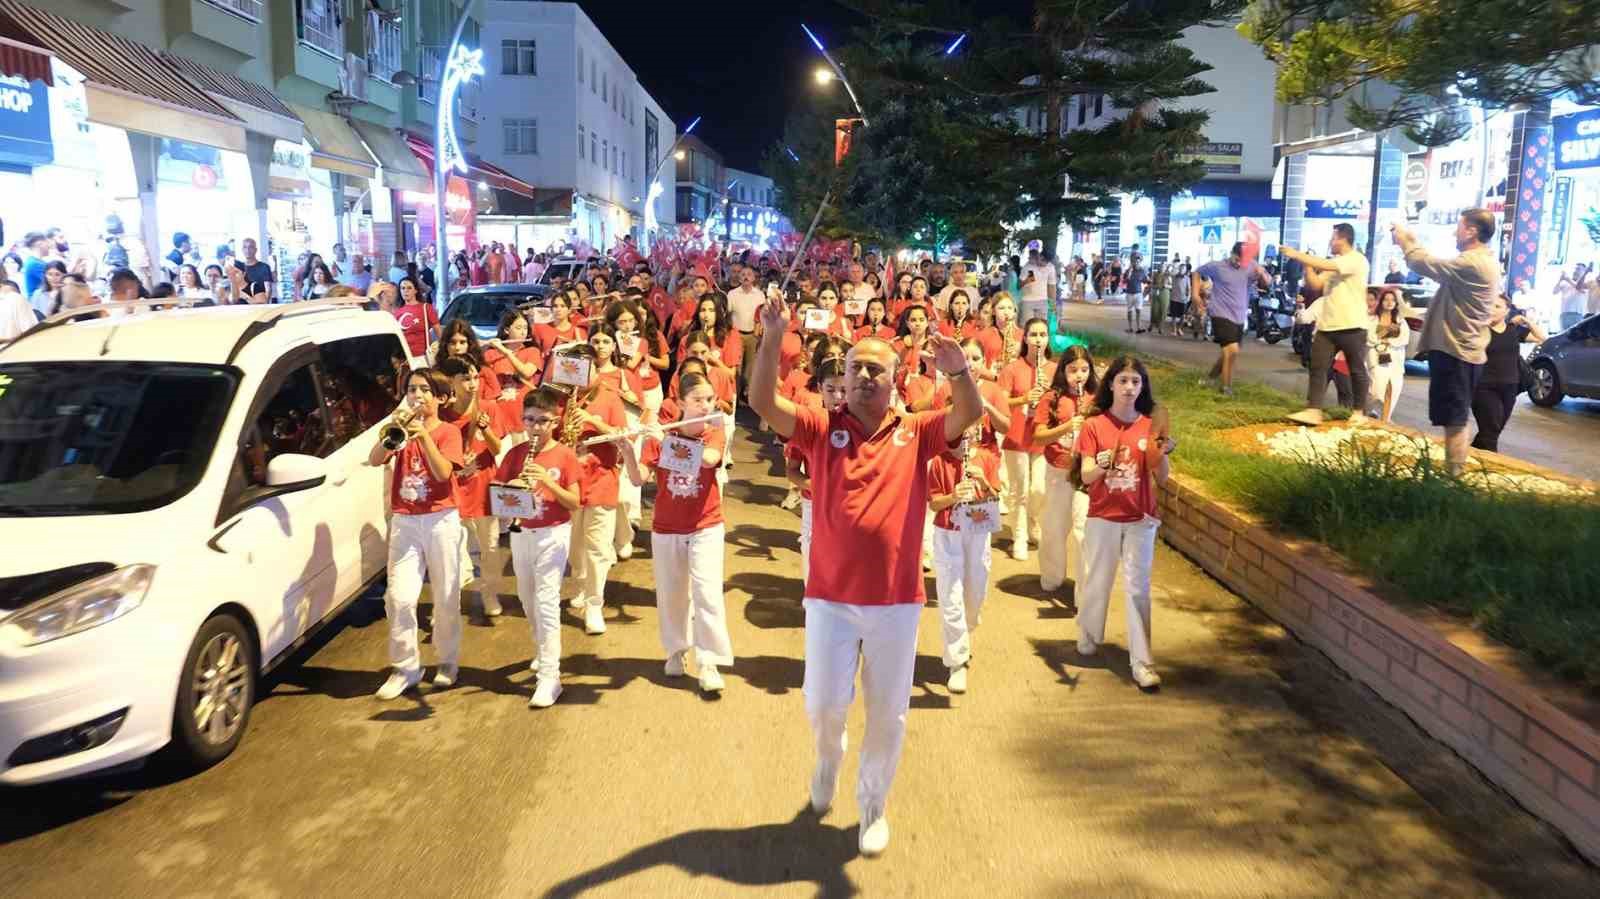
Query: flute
(635,432)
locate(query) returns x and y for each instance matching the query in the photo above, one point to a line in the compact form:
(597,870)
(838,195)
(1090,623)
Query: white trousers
(1386,377)
(805,541)
(883,640)
(689,597)
(1106,545)
(537,556)
(1061,544)
(429,542)
(628,494)
(593,551)
(483,534)
(1025,489)
(961,576)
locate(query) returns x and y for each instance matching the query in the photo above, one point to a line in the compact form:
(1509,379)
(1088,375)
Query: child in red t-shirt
(1024,459)
(686,536)
(961,549)
(424,532)
(1125,447)
(825,391)
(480,440)
(628,385)
(594,526)
(1056,421)
(540,539)
(516,360)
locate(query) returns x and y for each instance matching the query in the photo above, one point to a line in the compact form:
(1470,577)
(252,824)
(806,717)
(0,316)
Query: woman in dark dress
(1500,382)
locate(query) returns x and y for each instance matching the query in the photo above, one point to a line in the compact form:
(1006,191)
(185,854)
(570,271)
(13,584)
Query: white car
(184,498)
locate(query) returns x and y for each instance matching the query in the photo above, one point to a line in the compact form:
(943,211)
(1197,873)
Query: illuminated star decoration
(463,66)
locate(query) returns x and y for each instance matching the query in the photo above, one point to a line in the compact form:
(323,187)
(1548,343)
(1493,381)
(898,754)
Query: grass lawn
(1524,568)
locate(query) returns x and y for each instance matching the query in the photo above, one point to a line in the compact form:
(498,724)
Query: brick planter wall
(1545,758)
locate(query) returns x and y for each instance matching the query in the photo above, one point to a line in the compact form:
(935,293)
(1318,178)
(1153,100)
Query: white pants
(1025,487)
(805,542)
(1386,377)
(961,575)
(431,541)
(1061,544)
(689,598)
(537,556)
(1031,309)
(1105,545)
(593,551)
(484,534)
(628,494)
(883,640)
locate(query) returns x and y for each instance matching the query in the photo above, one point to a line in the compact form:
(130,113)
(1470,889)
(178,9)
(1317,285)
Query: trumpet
(396,430)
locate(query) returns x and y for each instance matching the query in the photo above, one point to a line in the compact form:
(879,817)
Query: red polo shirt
(944,473)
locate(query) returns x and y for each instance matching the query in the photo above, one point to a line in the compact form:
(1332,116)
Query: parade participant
(795,339)
(824,390)
(565,328)
(686,537)
(901,295)
(459,341)
(424,533)
(959,322)
(653,357)
(1002,340)
(996,406)
(418,320)
(594,525)
(876,322)
(516,361)
(961,549)
(1056,421)
(1024,381)
(799,377)
(828,300)
(480,442)
(1125,447)
(914,332)
(711,320)
(919,295)
(626,384)
(698,346)
(868,469)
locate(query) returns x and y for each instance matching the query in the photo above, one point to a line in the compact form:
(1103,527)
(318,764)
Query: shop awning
(551,203)
(259,108)
(477,169)
(334,144)
(401,168)
(25,62)
(128,85)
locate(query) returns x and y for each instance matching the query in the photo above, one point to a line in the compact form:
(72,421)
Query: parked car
(568,267)
(184,499)
(484,305)
(1567,364)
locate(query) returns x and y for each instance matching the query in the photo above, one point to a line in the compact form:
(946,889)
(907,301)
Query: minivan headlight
(80,607)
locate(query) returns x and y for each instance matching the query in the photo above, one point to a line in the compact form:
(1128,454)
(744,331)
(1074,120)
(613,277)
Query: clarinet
(1038,378)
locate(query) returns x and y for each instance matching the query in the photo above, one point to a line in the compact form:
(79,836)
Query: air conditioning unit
(353,77)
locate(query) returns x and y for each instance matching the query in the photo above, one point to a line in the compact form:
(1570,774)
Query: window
(652,141)
(361,386)
(1083,108)
(625,171)
(605,155)
(594,148)
(1099,105)
(605,86)
(519,58)
(593,81)
(581,141)
(580,65)
(522,136)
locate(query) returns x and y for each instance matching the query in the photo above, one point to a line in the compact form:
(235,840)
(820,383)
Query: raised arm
(777,411)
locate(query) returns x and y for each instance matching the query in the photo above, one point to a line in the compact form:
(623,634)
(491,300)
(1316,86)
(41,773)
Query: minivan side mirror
(288,472)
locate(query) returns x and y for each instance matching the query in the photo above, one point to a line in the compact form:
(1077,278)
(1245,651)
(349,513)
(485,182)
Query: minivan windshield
(93,438)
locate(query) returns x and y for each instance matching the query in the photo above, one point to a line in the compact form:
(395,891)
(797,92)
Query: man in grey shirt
(1455,334)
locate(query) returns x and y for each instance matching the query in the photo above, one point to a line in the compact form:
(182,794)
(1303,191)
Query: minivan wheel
(215,692)
(1546,390)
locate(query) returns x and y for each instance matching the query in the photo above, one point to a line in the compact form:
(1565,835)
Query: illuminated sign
(1577,138)
(463,66)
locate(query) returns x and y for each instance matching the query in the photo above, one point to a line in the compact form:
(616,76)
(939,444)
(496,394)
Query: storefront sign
(1415,186)
(196,165)
(1561,212)
(1336,209)
(1193,209)
(289,174)
(1577,140)
(1219,159)
(25,123)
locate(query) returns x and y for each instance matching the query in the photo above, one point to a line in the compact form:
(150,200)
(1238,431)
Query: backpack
(116,255)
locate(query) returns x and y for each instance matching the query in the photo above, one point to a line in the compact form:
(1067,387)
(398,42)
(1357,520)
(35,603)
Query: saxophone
(571,420)
(524,480)
(1008,350)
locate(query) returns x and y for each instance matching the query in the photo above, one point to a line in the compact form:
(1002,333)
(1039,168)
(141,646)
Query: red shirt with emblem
(992,394)
(1127,492)
(564,468)
(1058,452)
(508,409)
(551,335)
(599,475)
(944,473)
(477,466)
(870,499)
(685,503)
(1018,379)
(414,490)
(415,319)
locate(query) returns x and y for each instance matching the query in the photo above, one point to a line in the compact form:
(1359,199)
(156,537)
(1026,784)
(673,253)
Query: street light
(680,156)
(823,76)
(650,221)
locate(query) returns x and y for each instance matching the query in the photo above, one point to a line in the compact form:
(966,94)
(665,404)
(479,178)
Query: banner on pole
(843,136)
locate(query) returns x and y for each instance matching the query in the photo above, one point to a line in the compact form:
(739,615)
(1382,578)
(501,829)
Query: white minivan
(184,498)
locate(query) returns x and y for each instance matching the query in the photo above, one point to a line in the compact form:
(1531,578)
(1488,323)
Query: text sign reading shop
(1577,140)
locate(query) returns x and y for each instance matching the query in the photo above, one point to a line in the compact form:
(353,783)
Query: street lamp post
(650,221)
(458,66)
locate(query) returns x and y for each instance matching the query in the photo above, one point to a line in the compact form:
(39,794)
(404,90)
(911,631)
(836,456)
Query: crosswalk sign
(1211,234)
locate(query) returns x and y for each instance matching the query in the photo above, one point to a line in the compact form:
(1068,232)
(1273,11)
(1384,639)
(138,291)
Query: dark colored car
(1567,364)
(484,305)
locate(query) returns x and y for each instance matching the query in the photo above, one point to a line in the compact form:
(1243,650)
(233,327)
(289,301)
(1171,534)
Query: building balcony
(384,48)
(322,26)
(224,33)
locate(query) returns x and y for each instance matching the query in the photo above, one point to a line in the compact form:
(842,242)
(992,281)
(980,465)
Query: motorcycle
(1269,319)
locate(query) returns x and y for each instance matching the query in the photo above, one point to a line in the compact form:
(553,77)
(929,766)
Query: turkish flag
(842,136)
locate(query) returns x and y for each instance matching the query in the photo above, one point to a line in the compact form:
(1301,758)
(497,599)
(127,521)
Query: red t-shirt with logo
(1018,379)
(477,466)
(508,411)
(992,394)
(599,476)
(1127,492)
(685,503)
(882,332)
(414,490)
(415,319)
(1058,452)
(870,499)
(564,468)
(549,336)
(944,473)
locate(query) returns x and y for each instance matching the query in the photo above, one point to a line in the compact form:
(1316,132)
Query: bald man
(869,468)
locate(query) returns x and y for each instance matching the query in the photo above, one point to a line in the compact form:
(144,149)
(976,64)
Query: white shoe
(545,693)
(626,552)
(791,501)
(824,784)
(958,680)
(446,675)
(1146,677)
(710,679)
(396,684)
(674,667)
(1357,418)
(1019,551)
(1086,646)
(874,836)
(577,603)
(594,620)
(1308,417)
(491,604)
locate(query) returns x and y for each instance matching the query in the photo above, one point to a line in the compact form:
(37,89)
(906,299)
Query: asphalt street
(1562,438)
(1258,770)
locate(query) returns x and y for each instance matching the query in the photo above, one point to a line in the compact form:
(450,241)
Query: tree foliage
(1435,54)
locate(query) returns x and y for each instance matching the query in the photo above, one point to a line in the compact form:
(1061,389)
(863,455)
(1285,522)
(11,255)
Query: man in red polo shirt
(869,468)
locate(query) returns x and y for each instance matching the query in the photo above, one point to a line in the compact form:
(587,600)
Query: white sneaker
(710,679)
(577,603)
(958,680)
(791,501)
(491,604)
(594,620)
(874,836)
(396,684)
(674,666)
(1086,646)
(1308,417)
(625,552)
(446,675)
(1146,677)
(824,784)
(545,693)
(1019,550)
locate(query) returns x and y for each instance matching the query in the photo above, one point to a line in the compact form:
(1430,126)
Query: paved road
(1562,438)
(1259,770)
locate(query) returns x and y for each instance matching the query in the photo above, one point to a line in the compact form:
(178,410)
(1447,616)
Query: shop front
(1206,221)
(1572,203)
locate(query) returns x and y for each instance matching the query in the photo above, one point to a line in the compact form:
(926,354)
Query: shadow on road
(769,588)
(754,542)
(803,850)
